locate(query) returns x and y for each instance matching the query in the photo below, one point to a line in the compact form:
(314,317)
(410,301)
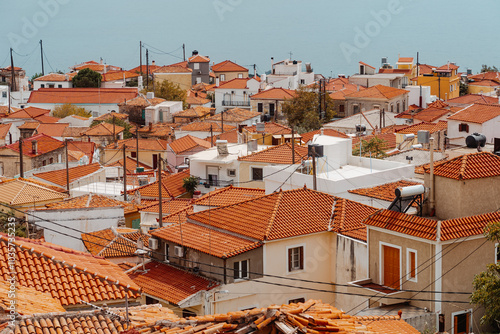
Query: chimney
(195,52)
(357,88)
(321,131)
(150,126)
(66,77)
(34,146)
(153,63)
(101,61)
(272,64)
(217,81)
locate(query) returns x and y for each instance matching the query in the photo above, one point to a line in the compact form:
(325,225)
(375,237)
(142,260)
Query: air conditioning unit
(153,243)
(143,180)
(178,251)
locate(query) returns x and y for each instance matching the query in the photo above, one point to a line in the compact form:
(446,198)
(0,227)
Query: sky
(332,35)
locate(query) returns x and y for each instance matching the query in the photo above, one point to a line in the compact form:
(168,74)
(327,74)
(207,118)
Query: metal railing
(215,183)
(236,103)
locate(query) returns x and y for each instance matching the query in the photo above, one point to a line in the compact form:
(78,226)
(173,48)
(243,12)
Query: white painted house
(235,93)
(162,112)
(477,118)
(288,74)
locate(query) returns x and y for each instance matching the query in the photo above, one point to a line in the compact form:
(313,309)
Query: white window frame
(295,271)
(381,262)
(222,77)
(453,314)
(231,172)
(240,75)
(240,278)
(196,66)
(166,253)
(198,80)
(408,262)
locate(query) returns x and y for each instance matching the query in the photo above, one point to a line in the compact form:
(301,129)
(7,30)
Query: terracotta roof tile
(144,69)
(40,183)
(29,112)
(308,136)
(365,64)
(237,83)
(59,176)
(236,115)
(274,94)
(205,126)
(131,165)
(74,131)
(230,136)
(20,191)
(104,129)
(198,59)
(228,66)
(432,114)
(431,127)
(118,75)
(29,125)
(468,166)
(378,92)
(467,226)
(45,144)
(196,100)
(405,60)
(448,66)
(171,186)
(228,195)
(69,266)
(82,95)
(172,69)
(485,83)
(57,77)
(279,154)
(108,244)
(271,128)
(52,129)
(29,300)
(143,101)
(168,283)
(474,98)
(144,144)
(196,112)
(392,128)
(485,76)
(388,138)
(403,223)
(170,205)
(84,147)
(110,115)
(385,191)
(92,201)
(188,143)
(477,113)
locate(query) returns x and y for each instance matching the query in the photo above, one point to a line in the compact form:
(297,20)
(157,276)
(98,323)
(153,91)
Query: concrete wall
(96,109)
(490,129)
(244,174)
(83,220)
(461,198)
(365,104)
(9,159)
(231,75)
(37,84)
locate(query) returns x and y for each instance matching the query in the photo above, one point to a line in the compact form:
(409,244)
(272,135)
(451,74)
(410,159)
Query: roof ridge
(273,215)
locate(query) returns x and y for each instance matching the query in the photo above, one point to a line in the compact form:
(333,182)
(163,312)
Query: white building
(337,171)
(477,118)
(162,112)
(235,94)
(54,80)
(394,80)
(288,74)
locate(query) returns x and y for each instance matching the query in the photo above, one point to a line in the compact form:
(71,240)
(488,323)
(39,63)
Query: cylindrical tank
(410,191)
(474,140)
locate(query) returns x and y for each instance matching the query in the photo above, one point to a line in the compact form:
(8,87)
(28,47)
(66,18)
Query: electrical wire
(164,52)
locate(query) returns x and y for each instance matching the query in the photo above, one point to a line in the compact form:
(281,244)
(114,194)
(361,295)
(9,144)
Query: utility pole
(184,51)
(254,70)
(222,121)
(211,136)
(293,146)
(124,174)
(114,132)
(21,166)
(41,55)
(67,165)
(8,91)
(314,167)
(13,80)
(160,207)
(140,57)
(420,98)
(147,67)
(137,145)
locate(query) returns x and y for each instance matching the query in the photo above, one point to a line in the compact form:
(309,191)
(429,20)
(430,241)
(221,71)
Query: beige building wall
(366,104)
(145,157)
(10,162)
(226,76)
(245,174)
(461,198)
(181,79)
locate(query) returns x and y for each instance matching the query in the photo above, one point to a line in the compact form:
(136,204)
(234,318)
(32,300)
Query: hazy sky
(332,35)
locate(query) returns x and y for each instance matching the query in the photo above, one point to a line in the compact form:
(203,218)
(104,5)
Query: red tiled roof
(144,68)
(271,128)
(274,94)
(392,128)
(385,191)
(477,113)
(432,114)
(66,274)
(168,283)
(474,98)
(425,69)
(431,127)
(228,66)
(108,244)
(144,144)
(143,101)
(205,126)
(59,176)
(196,100)
(467,226)
(40,183)
(199,59)
(448,67)
(56,77)
(104,129)
(172,69)
(196,112)
(92,201)
(118,75)
(29,112)
(82,95)
(403,223)
(28,301)
(84,147)
(237,83)
(485,83)
(169,206)
(495,76)
(388,138)
(279,154)
(45,144)
(365,64)
(131,165)
(395,70)
(230,136)
(52,129)
(47,119)
(21,191)
(468,166)
(378,92)
(172,186)
(308,136)
(228,195)
(188,143)
(405,60)
(236,115)
(4,129)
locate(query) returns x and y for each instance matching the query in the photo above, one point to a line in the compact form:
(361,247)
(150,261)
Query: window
(44,163)
(42,85)
(463,127)
(297,300)
(462,322)
(155,161)
(296,258)
(186,161)
(259,107)
(150,300)
(240,75)
(187,313)
(397,107)
(271,109)
(136,223)
(302,82)
(497,253)
(391,266)
(411,266)
(166,253)
(196,66)
(51,160)
(240,269)
(51,85)
(231,172)
(198,80)
(222,77)
(4,94)
(133,154)
(212,175)
(451,88)
(355,109)
(257,174)
(59,86)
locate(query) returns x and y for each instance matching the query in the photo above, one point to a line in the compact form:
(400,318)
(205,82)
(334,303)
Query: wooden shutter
(301,254)
(391,267)
(236,270)
(412,265)
(244,269)
(290,259)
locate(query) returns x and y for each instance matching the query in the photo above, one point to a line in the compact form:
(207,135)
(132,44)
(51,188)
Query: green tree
(487,284)
(486,68)
(464,88)
(20,224)
(87,78)
(302,110)
(119,122)
(36,75)
(190,183)
(375,145)
(168,91)
(68,109)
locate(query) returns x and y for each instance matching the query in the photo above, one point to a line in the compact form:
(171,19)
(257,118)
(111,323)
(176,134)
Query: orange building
(444,81)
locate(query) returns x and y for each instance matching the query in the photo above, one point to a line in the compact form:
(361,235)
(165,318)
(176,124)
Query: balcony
(215,183)
(386,295)
(236,103)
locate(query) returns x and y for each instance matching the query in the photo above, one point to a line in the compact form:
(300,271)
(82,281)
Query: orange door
(391,267)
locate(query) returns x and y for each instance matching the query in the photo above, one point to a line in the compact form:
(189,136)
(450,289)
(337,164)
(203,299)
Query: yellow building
(228,70)
(149,149)
(483,83)
(444,81)
(179,75)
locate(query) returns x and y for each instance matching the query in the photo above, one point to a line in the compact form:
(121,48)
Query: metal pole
(314,167)
(160,207)
(67,166)
(184,51)
(137,145)
(124,174)
(41,55)
(147,67)
(114,131)
(211,136)
(140,57)
(21,163)
(222,121)
(13,84)
(293,146)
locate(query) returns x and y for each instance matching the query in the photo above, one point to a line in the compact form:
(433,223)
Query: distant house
(149,149)
(466,100)
(117,79)
(76,121)
(99,67)
(78,176)
(270,102)
(104,133)
(175,74)
(5,134)
(236,117)
(477,118)
(483,83)
(202,129)
(179,150)
(193,114)
(54,80)
(444,81)
(228,70)
(150,212)
(437,130)
(162,112)
(20,80)
(380,97)
(289,74)
(99,101)
(394,80)
(38,151)
(373,120)
(308,136)
(136,107)
(200,67)
(271,134)
(235,93)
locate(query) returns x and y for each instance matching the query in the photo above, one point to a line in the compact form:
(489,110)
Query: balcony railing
(236,103)
(215,183)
